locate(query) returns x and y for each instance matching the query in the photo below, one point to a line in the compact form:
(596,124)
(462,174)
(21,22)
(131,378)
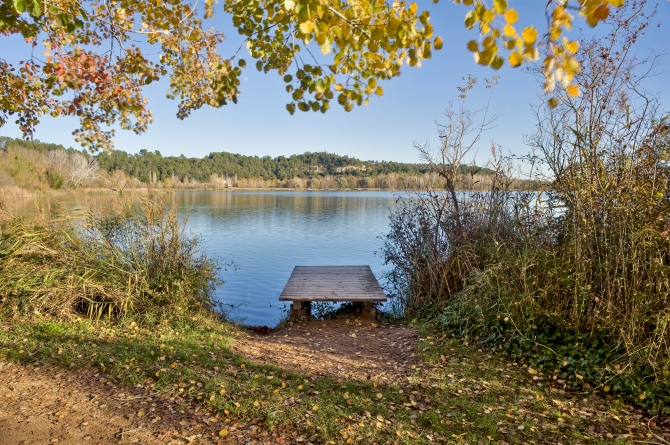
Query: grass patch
(456,394)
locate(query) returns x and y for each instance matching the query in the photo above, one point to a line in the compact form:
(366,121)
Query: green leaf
(290,108)
(288,78)
(500,6)
(53,9)
(242,63)
(497,63)
(37,8)
(20,6)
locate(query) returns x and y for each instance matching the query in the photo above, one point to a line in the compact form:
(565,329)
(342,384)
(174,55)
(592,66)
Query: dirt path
(40,406)
(346,349)
(43,406)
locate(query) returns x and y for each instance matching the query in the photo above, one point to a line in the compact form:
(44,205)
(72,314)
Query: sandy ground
(345,349)
(43,406)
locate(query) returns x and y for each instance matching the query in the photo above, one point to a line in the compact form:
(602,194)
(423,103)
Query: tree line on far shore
(35,165)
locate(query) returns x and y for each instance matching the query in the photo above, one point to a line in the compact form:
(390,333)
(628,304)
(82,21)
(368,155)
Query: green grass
(455,395)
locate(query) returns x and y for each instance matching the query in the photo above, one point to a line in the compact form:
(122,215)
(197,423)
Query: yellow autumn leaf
(315,408)
(531,53)
(515,59)
(529,35)
(380,395)
(511,16)
(602,12)
(509,31)
(573,91)
(572,47)
(473,46)
(437,43)
(325,47)
(413,7)
(307,27)
(223,433)
(488,16)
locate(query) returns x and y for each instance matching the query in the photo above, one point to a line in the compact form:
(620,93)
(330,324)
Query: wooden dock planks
(332,283)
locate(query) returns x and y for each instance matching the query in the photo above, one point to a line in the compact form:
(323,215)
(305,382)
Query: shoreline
(15,192)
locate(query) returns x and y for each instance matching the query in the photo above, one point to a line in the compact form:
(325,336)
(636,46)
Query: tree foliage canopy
(98,55)
(498,33)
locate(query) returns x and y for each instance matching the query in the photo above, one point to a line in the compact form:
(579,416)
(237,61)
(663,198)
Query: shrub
(366,183)
(133,259)
(576,281)
(54,179)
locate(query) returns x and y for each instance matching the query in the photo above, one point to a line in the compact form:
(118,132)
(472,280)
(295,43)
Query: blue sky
(259,124)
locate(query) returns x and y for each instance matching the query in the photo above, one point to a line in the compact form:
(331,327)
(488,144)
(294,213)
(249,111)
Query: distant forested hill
(39,165)
(307,165)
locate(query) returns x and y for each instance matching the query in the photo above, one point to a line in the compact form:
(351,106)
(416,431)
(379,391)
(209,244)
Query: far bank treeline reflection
(34,165)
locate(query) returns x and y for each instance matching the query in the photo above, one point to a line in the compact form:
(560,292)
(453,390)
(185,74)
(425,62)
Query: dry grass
(132,259)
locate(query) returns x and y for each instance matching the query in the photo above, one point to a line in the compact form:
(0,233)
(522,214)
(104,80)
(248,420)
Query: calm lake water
(267,233)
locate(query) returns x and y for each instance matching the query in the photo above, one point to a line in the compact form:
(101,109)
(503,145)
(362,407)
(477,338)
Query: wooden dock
(332,283)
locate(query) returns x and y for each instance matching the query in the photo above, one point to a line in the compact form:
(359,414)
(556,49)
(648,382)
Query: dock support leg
(296,308)
(368,311)
(300,309)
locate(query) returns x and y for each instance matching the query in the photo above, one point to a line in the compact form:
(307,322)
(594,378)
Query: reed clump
(575,281)
(132,260)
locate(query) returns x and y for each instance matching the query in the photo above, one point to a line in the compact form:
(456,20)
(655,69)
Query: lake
(267,233)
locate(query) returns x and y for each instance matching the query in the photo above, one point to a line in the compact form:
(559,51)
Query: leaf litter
(385,384)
